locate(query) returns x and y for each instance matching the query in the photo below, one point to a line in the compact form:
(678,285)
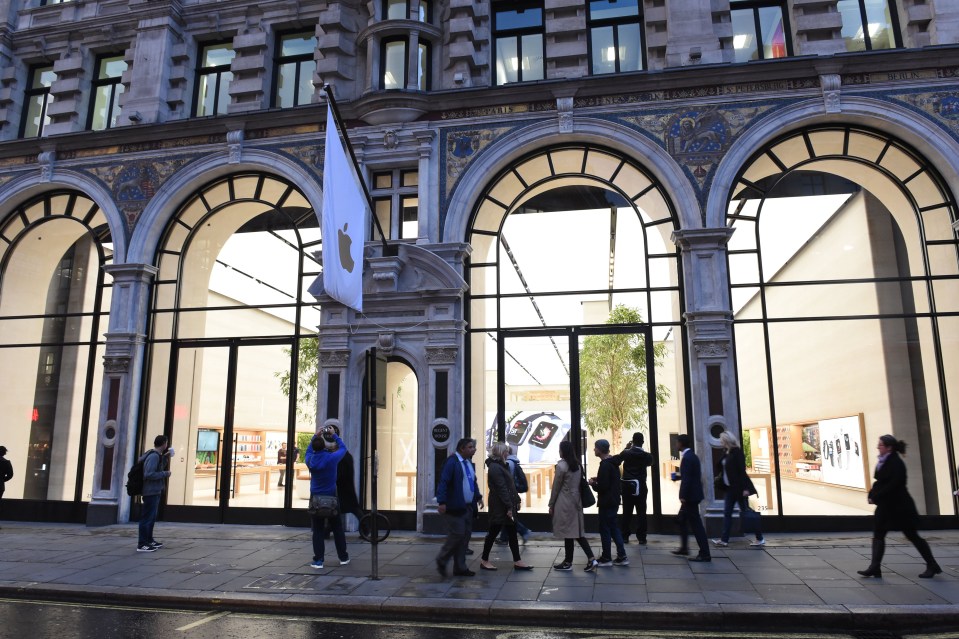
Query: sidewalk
(799,582)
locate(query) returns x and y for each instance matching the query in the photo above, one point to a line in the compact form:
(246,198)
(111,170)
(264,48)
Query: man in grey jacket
(155,462)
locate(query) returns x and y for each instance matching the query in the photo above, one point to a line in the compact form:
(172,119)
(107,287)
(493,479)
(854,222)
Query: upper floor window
(394,64)
(396,10)
(36,101)
(396,202)
(615,36)
(759,30)
(518,31)
(868,25)
(425,12)
(107,89)
(213,79)
(46,2)
(295,66)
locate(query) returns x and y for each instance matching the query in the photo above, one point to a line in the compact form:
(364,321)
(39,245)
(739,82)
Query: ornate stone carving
(831,85)
(711,349)
(565,108)
(116,363)
(385,342)
(390,139)
(234,140)
(441,354)
(332,359)
(47,159)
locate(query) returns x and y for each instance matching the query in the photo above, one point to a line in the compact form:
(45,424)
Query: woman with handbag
(894,508)
(504,503)
(322,456)
(731,475)
(566,507)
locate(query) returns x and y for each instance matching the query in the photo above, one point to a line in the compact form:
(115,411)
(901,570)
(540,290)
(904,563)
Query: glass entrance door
(230,421)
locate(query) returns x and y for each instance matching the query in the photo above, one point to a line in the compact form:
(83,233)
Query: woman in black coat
(504,503)
(731,474)
(894,508)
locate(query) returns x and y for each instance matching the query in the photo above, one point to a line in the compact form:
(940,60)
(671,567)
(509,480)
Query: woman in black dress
(894,508)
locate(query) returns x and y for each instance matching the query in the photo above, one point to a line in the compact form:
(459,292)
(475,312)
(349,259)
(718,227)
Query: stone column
(428,222)
(155,53)
(120,398)
(709,321)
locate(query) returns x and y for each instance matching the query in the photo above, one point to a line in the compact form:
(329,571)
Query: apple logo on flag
(345,241)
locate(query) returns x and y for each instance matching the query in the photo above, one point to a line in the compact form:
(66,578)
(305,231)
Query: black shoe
(702,558)
(464,573)
(441,568)
(873,572)
(641,541)
(563,566)
(469,551)
(680,551)
(931,571)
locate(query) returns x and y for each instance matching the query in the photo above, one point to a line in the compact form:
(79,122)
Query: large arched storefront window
(232,329)
(54,302)
(563,239)
(845,292)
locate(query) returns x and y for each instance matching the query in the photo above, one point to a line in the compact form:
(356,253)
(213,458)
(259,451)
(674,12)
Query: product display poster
(533,435)
(842,453)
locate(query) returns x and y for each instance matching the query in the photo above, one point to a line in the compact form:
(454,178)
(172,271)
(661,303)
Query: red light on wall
(36,415)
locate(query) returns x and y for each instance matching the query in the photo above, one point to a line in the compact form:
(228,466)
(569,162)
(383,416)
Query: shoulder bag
(323,506)
(585,492)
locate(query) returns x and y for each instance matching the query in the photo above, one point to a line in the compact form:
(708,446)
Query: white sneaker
(758,543)
(343,562)
(719,543)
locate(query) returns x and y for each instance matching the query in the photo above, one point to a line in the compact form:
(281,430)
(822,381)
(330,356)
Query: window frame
(405,80)
(616,23)
(864,21)
(34,74)
(395,194)
(114,82)
(386,10)
(218,71)
(298,60)
(517,35)
(755,6)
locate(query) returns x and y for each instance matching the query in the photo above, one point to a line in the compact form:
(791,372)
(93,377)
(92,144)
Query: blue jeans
(728,503)
(609,532)
(339,539)
(148,517)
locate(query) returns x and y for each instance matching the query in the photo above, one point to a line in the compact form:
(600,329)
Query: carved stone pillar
(122,376)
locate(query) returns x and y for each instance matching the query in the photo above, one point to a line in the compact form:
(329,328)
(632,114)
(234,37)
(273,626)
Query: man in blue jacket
(322,457)
(155,474)
(690,495)
(458,497)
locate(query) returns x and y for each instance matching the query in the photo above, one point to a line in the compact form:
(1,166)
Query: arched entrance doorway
(54,301)
(575,294)
(844,285)
(231,378)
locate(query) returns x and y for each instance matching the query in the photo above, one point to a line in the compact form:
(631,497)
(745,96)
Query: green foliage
(747,449)
(613,379)
(307,377)
(303,442)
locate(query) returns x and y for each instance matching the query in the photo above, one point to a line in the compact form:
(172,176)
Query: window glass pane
(410,178)
(880,24)
(852,31)
(519,19)
(383,214)
(606,9)
(223,92)
(43,78)
(394,64)
(774,36)
(382,180)
(604,53)
(307,69)
(422,70)
(396,10)
(298,44)
(424,11)
(285,85)
(744,36)
(218,55)
(507,62)
(36,115)
(410,224)
(112,68)
(630,48)
(533,57)
(101,107)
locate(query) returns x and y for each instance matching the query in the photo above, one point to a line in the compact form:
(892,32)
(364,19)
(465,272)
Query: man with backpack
(522,485)
(155,462)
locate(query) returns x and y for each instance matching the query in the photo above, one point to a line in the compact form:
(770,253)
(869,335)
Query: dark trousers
(689,519)
(638,503)
(148,518)
(568,546)
(510,531)
(730,502)
(459,529)
(609,532)
(319,541)
(909,532)
(521,530)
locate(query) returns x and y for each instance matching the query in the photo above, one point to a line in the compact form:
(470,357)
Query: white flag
(343,222)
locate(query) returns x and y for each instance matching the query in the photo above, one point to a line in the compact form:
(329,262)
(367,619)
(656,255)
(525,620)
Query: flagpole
(328,89)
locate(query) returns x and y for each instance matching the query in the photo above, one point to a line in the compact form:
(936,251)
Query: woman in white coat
(566,508)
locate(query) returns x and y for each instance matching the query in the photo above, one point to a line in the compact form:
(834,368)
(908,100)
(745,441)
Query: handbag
(751,521)
(323,506)
(586,493)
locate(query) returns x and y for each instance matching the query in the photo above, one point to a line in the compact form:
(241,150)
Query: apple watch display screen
(543,434)
(516,432)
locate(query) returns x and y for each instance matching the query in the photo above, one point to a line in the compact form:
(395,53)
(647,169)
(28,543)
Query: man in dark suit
(458,497)
(690,495)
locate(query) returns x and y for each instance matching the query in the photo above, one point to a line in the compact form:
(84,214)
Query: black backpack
(135,477)
(519,477)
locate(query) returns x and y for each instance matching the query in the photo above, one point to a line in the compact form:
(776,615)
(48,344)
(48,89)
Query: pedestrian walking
(504,504)
(458,499)
(690,495)
(6,473)
(324,453)
(607,484)
(635,461)
(522,485)
(731,472)
(566,508)
(155,472)
(895,508)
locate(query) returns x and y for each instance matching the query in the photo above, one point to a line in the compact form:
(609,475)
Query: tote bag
(323,506)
